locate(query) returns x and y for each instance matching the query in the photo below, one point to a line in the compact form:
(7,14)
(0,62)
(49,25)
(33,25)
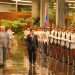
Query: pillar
(60,14)
(35,8)
(43,6)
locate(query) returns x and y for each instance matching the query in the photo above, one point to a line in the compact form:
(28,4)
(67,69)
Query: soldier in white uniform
(72,46)
(11,41)
(45,41)
(26,32)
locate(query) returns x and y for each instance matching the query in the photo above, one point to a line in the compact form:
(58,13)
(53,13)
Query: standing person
(11,37)
(26,32)
(4,41)
(32,44)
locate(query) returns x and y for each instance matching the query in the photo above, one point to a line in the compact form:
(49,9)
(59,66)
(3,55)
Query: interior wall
(7,8)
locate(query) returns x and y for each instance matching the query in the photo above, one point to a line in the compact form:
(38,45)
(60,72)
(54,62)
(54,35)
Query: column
(35,8)
(60,14)
(43,6)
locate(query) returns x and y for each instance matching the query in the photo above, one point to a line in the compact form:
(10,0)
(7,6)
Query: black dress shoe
(2,66)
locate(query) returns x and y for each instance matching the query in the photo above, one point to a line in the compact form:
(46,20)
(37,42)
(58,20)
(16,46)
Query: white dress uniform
(55,37)
(45,36)
(40,39)
(63,39)
(26,32)
(72,41)
(11,38)
(51,35)
(10,33)
(59,36)
(36,33)
(68,34)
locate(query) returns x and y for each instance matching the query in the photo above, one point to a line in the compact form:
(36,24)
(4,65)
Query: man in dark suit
(32,45)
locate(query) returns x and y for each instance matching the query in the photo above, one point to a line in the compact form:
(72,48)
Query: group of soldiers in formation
(56,43)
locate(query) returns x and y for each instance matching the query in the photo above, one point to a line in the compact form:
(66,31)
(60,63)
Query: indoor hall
(37,37)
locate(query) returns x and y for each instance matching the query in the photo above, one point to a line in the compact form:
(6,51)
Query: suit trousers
(32,55)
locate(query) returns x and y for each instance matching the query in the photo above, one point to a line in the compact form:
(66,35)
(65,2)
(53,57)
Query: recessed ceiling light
(23,1)
(70,1)
(16,0)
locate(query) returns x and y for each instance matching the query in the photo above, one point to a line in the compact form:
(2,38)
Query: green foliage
(6,23)
(16,25)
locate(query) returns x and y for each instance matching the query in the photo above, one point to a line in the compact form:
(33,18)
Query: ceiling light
(22,1)
(70,1)
(69,4)
(72,7)
(16,0)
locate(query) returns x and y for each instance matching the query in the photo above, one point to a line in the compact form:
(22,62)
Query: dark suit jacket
(32,43)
